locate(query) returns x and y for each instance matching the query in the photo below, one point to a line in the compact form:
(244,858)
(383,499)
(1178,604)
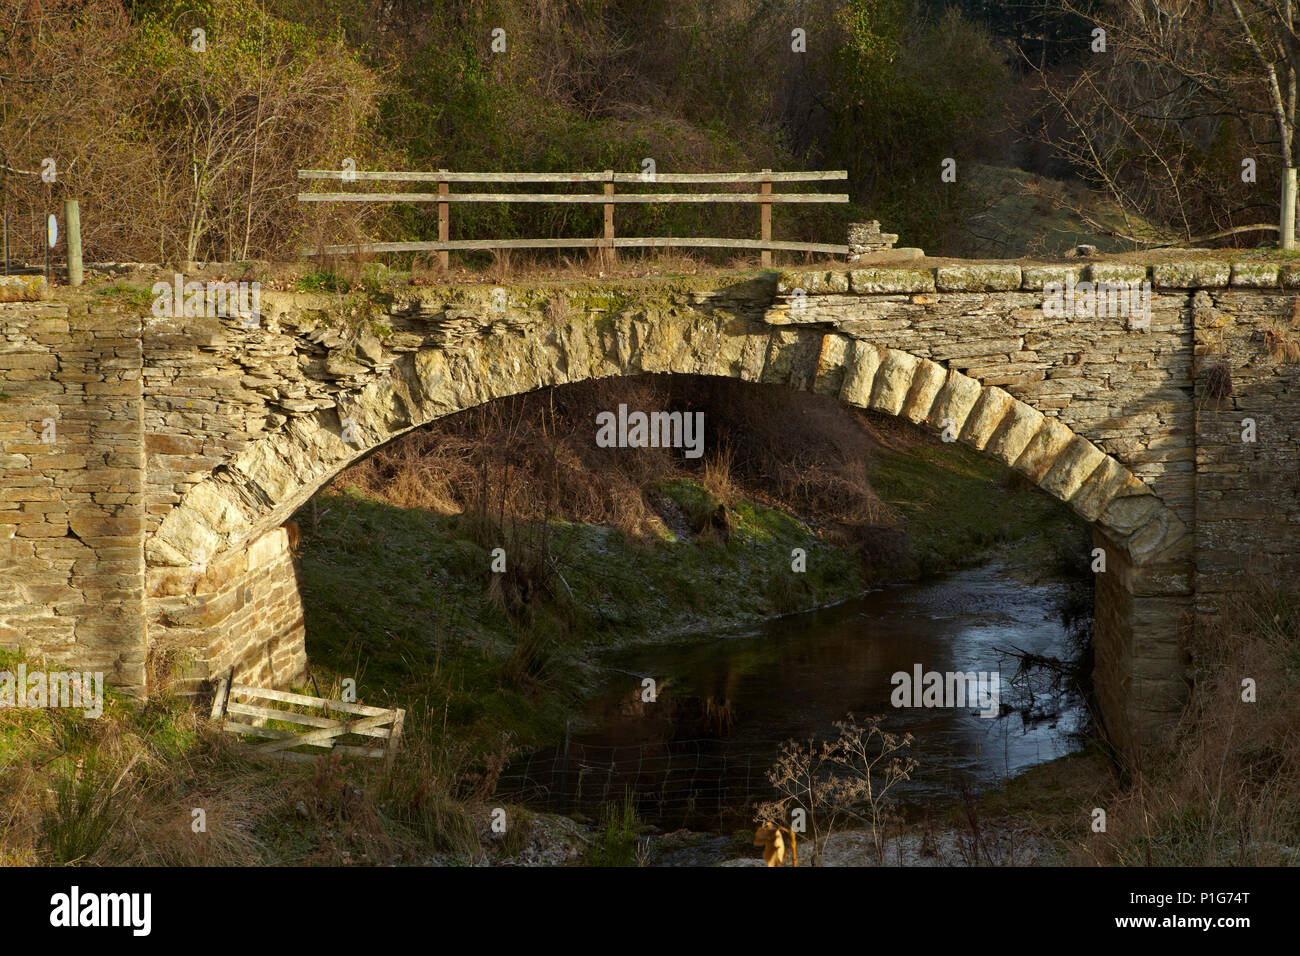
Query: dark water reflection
(696,756)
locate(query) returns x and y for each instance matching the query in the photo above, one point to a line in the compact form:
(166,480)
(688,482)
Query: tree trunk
(1286,233)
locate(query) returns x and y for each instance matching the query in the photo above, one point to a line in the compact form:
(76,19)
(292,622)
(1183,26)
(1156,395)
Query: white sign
(52,231)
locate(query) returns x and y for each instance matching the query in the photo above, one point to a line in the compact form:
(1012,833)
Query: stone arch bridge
(146,464)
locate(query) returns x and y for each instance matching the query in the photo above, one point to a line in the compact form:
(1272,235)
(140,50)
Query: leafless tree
(174,153)
(1164,115)
(835,781)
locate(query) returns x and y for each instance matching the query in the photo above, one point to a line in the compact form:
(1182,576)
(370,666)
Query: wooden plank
(243,690)
(248,730)
(796,176)
(448,177)
(219,699)
(292,717)
(395,737)
(315,736)
(329,745)
(578,197)
(681,242)
(276,733)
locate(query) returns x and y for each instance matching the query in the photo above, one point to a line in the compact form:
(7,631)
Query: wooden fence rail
(246,711)
(607,198)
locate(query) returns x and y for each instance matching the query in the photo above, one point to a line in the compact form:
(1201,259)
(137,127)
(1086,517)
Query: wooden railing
(444,197)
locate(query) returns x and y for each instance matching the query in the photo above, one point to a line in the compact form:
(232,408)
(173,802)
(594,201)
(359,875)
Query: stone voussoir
(860,373)
(985,417)
(954,403)
(831,360)
(926,385)
(1018,428)
(893,381)
(1072,468)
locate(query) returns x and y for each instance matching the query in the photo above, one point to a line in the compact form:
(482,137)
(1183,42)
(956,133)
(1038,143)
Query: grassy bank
(406,600)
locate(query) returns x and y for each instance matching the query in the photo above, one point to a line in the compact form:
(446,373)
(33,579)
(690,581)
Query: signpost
(51,237)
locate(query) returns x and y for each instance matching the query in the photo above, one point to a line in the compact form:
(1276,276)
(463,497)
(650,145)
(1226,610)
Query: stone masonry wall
(71,486)
(152,521)
(1248,493)
(1128,391)
(243,610)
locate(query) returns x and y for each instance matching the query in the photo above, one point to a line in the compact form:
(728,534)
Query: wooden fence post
(607,253)
(765,257)
(444,227)
(72,222)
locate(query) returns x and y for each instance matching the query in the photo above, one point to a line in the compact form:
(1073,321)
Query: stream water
(696,756)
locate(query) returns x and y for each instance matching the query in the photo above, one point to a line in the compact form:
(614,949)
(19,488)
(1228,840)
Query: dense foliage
(180,124)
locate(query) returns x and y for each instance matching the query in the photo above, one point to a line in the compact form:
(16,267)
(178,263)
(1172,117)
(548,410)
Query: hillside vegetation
(213,105)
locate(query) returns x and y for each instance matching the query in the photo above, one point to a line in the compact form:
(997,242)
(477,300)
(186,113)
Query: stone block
(977,278)
(893,381)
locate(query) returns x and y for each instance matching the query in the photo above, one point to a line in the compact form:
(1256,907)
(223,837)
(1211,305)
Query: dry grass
(157,785)
(794,451)
(514,265)
(1282,346)
(1218,379)
(1228,793)
(557,309)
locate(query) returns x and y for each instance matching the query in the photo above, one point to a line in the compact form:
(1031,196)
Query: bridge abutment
(242,612)
(71,486)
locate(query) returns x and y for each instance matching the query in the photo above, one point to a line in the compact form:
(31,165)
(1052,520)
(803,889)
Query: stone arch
(219,551)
